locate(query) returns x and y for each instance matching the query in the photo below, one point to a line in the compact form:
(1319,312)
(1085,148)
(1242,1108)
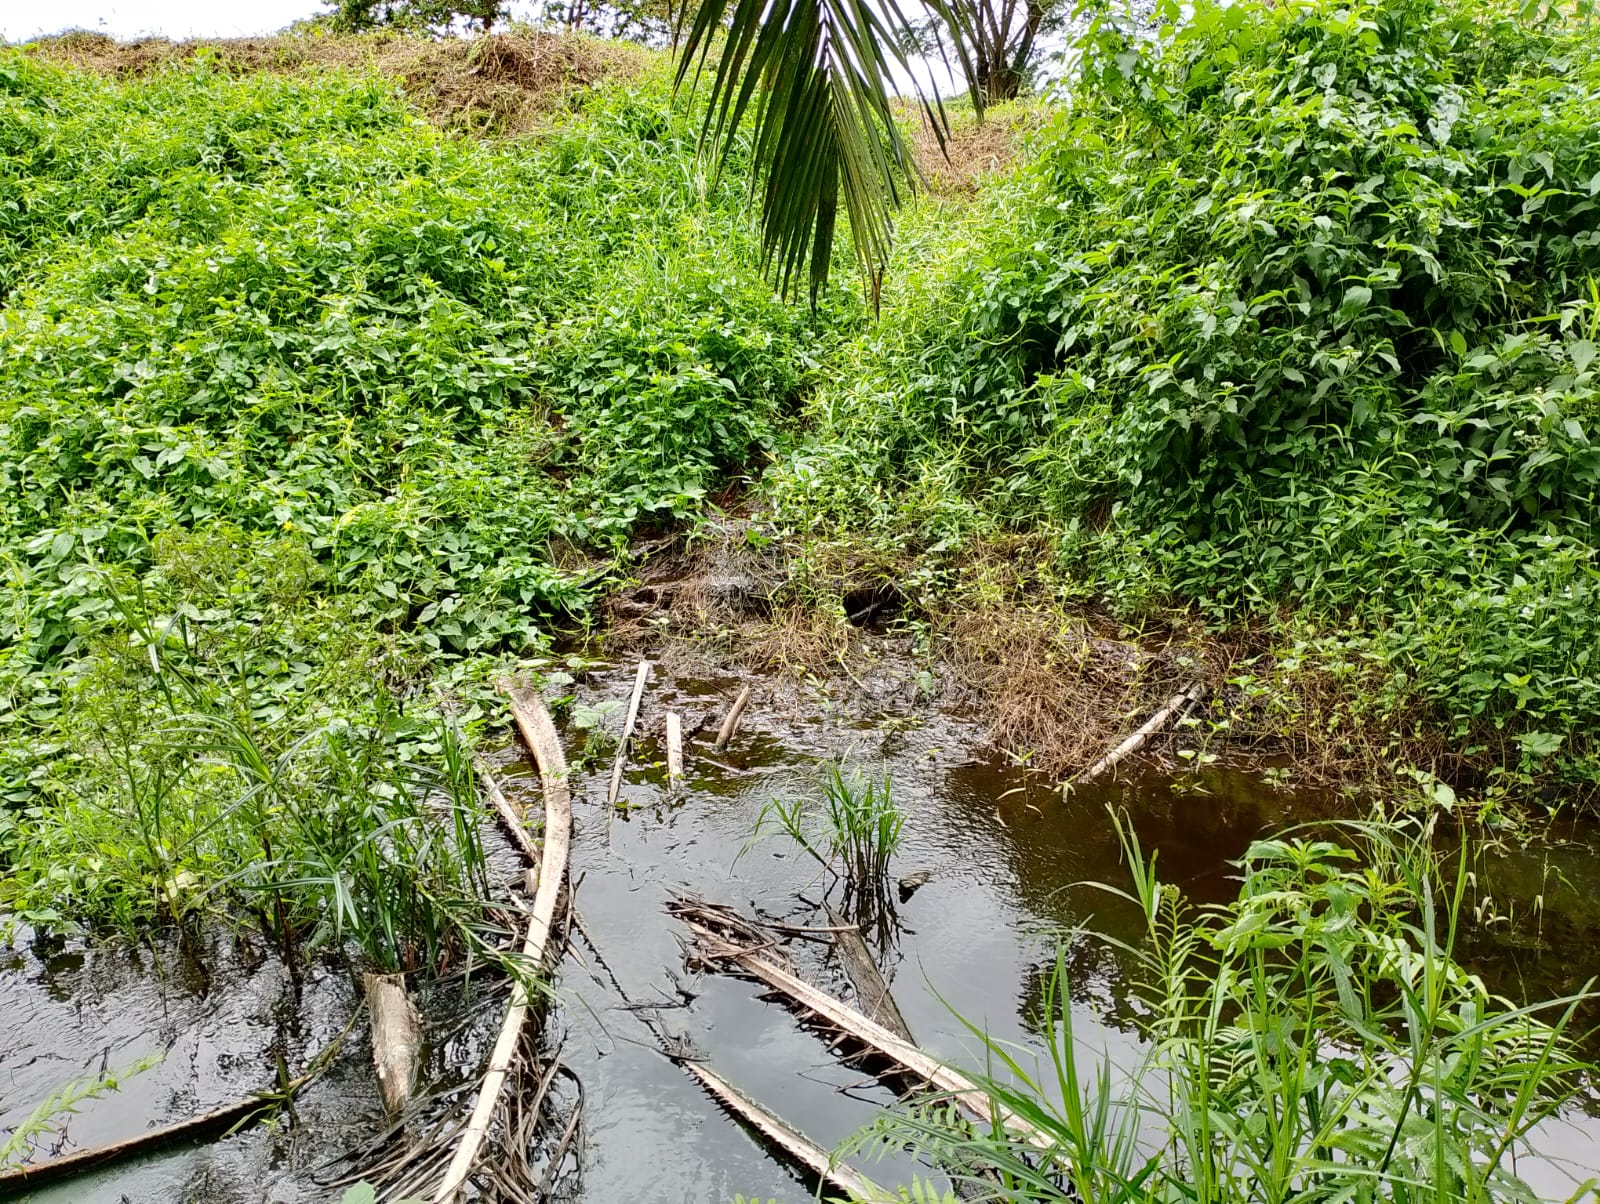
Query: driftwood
(533,721)
(1174,709)
(872,992)
(730,722)
(396,1038)
(216,1122)
(674,747)
(621,762)
(713,946)
(790,1140)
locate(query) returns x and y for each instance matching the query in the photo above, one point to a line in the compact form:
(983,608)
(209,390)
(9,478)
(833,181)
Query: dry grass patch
(975,149)
(503,83)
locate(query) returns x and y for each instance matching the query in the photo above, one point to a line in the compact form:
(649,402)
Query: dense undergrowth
(315,419)
(312,415)
(1288,326)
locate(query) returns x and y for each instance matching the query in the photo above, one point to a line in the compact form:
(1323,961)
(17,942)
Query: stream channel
(1003,851)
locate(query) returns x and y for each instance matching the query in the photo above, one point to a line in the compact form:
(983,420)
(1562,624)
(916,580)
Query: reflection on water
(1008,863)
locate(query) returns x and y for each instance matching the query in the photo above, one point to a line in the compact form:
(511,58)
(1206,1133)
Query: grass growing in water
(852,834)
(1314,1040)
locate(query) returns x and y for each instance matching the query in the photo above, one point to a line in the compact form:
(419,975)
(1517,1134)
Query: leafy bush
(300,395)
(1294,305)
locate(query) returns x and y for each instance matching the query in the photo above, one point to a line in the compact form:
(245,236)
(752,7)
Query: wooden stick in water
(842,1016)
(1173,709)
(730,724)
(618,765)
(533,721)
(872,992)
(674,747)
(794,1143)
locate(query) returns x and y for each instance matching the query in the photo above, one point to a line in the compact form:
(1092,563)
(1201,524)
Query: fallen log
(1174,708)
(396,1038)
(621,762)
(217,1122)
(533,721)
(730,722)
(800,1148)
(872,992)
(713,946)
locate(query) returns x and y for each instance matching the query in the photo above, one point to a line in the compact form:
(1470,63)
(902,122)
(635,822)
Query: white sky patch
(122,19)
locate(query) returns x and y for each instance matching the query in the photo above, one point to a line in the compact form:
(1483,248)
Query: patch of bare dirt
(503,83)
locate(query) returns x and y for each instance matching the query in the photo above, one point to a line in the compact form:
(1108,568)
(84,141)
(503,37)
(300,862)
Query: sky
(23,19)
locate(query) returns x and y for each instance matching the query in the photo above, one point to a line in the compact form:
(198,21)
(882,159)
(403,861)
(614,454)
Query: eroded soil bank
(1004,856)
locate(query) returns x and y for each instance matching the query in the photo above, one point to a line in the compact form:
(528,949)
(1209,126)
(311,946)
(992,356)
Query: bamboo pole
(627,733)
(1173,709)
(533,721)
(730,723)
(674,747)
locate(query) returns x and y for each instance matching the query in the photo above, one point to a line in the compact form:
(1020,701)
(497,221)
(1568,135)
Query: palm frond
(816,79)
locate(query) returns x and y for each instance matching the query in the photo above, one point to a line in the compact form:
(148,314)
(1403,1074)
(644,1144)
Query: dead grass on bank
(505,83)
(1056,687)
(974,151)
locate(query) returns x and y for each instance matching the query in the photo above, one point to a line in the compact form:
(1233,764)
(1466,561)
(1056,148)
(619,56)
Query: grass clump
(852,831)
(1314,1040)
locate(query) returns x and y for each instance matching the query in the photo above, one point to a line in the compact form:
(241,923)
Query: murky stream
(1004,855)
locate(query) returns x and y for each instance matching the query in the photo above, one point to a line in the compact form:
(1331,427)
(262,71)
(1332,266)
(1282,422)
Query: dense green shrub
(1293,305)
(296,393)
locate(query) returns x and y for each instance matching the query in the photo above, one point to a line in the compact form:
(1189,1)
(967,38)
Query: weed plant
(1315,1040)
(329,414)
(852,831)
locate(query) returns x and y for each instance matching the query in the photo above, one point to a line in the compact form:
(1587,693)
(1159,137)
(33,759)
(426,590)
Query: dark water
(1005,855)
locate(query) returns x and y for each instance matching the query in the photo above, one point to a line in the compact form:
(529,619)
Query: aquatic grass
(1314,1040)
(852,831)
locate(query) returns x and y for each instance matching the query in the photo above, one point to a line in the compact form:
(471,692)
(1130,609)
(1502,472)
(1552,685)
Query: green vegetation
(315,420)
(1314,1040)
(312,416)
(852,834)
(1288,326)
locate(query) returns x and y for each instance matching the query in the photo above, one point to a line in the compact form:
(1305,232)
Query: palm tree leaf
(814,77)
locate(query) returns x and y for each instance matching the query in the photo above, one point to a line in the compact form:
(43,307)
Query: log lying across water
(533,721)
(216,1123)
(714,943)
